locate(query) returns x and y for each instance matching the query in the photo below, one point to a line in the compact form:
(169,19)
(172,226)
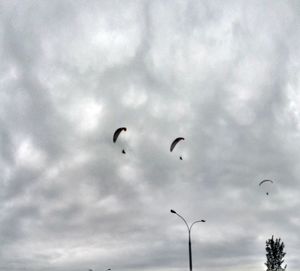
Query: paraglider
(264,181)
(174,143)
(116,135)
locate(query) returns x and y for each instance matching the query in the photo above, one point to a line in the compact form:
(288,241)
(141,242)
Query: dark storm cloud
(222,75)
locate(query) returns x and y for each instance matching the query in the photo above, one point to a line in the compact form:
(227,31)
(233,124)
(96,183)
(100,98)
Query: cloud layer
(223,75)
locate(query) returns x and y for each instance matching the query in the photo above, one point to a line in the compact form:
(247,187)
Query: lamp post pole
(189,231)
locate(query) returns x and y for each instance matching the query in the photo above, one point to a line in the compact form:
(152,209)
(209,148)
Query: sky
(222,74)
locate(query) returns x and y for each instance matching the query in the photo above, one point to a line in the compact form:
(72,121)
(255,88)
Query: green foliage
(275,254)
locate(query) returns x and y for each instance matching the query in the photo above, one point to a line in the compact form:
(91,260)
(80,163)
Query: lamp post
(189,231)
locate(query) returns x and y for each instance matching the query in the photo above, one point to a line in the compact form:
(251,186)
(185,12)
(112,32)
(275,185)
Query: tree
(275,254)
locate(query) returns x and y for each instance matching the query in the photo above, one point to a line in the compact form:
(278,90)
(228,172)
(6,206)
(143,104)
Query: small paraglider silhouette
(174,143)
(116,135)
(264,181)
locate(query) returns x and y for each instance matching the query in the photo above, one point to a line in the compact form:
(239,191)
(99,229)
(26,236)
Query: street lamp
(189,230)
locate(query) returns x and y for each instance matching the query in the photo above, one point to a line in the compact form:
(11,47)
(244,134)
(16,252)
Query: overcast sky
(222,74)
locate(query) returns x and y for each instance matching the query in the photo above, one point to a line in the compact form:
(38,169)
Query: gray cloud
(222,75)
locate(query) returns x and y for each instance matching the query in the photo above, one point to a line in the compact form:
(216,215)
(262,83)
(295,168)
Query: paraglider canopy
(264,181)
(174,143)
(117,133)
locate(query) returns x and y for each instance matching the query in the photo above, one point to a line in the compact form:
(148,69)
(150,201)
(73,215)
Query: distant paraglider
(174,143)
(265,181)
(116,135)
